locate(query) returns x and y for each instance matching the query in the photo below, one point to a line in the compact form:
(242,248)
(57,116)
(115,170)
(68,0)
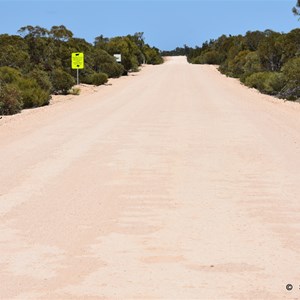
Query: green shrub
(267,82)
(197,60)
(113,70)
(134,64)
(41,78)
(31,94)
(291,71)
(275,82)
(152,56)
(236,65)
(252,65)
(256,80)
(86,75)
(211,57)
(10,99)
(61,81)
(97,79)
(9,75)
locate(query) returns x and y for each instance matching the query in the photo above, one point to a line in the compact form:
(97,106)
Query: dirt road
(174,183)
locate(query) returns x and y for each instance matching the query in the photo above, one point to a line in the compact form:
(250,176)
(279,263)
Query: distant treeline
(266,60)
(37,63)
(179,51)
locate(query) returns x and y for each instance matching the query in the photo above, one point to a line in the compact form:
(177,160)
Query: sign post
(77,62)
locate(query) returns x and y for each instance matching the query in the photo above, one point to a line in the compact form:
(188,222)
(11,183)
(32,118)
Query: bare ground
(174,183)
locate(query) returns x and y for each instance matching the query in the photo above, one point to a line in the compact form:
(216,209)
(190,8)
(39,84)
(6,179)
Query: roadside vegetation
(266,60)
(37,63)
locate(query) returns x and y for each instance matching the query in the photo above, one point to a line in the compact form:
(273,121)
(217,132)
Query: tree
(38,61)
(270,53)
(253,39)
(152,55)
(101,41)
(61,33)
(33,31)
(13,52)
(296,9)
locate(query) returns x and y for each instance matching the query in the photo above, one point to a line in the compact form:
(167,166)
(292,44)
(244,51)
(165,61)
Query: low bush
(256,80)
(210,57)
(99,78)
(267,82)
(30,94)
(291,71)
(61,81)
(9,75)
(114,70)
(10,99)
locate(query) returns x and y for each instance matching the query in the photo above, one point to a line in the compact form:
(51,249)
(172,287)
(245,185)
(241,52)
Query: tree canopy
(39,62)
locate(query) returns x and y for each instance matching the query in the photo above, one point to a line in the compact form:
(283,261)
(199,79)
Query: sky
(166,24)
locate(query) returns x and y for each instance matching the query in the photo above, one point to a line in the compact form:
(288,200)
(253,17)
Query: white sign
(118,57)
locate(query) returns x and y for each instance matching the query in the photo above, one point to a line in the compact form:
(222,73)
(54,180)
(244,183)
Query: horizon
(166,24)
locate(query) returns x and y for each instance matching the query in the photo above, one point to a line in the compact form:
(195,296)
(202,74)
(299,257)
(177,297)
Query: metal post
(77,76)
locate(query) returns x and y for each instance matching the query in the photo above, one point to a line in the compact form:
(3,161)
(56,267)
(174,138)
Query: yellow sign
(77,60)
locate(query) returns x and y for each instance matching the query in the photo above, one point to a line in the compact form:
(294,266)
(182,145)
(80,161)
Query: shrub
(61,81)
(256,80)
(134,64)
(291,71)
(10,99)
(252,65)
(99,78)
(275,82)
(86,75)
(9,75)
(236,65)
(41,78)
(152,56)
(267,82)
(113,70)
(211,57)
(31,94)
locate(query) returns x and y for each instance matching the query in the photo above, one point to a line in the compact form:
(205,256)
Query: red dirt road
(174,183)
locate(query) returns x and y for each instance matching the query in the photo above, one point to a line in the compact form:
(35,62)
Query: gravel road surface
(176,182)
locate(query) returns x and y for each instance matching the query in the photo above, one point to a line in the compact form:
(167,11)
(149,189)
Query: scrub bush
(112,70)
(99,78)
(267,82)
(10,99)
(61,81)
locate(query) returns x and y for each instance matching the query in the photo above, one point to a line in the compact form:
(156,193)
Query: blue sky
(166,23)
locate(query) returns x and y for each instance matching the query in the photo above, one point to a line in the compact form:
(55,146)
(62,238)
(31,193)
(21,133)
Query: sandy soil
(174,183)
